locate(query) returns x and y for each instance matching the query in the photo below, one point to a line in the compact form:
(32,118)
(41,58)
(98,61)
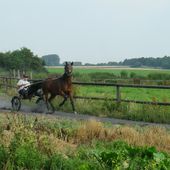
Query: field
(47,142)
(162,95)
(125,110)
(126,93)
(114,70)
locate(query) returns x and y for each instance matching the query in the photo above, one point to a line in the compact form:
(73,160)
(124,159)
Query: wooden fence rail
(7,83)
(118,92)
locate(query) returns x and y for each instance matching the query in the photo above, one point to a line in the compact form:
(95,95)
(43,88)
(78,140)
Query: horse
(59,86)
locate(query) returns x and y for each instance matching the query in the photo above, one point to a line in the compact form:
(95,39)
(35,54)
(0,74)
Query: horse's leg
(50,101)
(46,100)
(72,102)
(30,97)
(65,99)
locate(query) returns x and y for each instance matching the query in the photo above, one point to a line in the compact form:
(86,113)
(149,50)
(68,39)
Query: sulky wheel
(16,103)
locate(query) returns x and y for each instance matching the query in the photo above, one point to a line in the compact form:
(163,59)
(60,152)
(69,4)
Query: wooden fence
(118,92)
(133,81)
(10,82)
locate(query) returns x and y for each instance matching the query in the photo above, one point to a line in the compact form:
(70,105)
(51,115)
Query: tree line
(22,59)
(163,62)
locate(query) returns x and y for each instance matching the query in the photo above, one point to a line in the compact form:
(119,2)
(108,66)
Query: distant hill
(51,60)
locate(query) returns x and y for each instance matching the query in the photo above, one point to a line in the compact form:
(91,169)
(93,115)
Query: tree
(163,62)
(22,59)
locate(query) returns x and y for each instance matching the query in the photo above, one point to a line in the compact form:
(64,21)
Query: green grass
(161,95)
(115,71)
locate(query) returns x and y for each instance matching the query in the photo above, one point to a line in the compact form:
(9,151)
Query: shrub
(101,76)
(159,76)
(132,75)
(124,74)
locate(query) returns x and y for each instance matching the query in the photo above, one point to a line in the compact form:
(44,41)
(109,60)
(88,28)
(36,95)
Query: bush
(101,76)
(81,77)
(159,76)
(124,74)
(133,75)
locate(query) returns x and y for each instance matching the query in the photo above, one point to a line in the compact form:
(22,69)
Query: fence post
(14,73)
(18,74)
(118,95)
(10,82)
(6,84)
(31,75)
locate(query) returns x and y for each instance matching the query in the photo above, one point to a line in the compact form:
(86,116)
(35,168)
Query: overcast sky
(90,31)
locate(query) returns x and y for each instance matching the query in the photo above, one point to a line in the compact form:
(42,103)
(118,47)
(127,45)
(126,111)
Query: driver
(23,85)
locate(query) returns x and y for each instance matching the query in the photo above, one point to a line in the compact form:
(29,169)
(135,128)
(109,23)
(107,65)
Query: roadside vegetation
(47,142)
(129,111)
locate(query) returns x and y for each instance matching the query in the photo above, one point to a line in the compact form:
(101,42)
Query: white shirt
(23,84)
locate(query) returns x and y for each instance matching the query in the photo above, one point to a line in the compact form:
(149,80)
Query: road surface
(5,106)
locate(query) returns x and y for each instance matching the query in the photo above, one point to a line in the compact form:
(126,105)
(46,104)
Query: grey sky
(91,31)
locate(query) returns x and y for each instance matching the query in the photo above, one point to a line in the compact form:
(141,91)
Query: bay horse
(59,86)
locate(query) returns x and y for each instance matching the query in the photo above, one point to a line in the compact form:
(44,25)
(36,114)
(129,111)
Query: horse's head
(68,68)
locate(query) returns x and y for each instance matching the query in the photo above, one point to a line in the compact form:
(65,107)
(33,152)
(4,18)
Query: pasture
(115,70)
(126,93)
(124,110)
